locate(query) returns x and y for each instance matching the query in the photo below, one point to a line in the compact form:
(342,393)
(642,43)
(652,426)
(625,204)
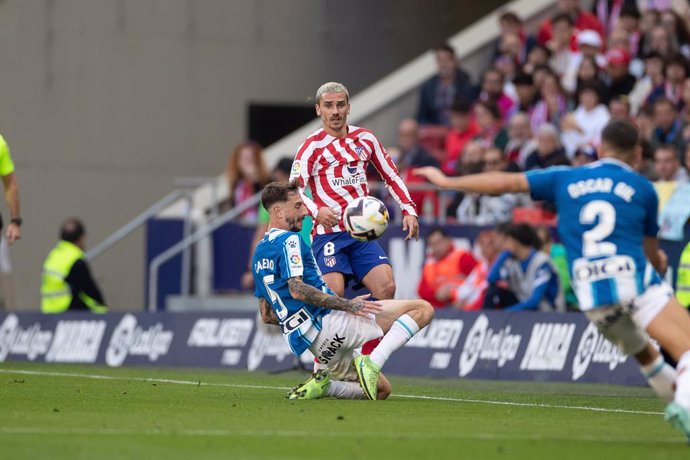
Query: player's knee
(425,311)
(386,290)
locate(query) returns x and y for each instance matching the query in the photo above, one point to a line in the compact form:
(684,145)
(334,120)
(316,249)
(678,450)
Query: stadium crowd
(542,101)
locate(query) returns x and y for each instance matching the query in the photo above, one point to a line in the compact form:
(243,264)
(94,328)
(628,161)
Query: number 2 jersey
(279,256)
(604,212)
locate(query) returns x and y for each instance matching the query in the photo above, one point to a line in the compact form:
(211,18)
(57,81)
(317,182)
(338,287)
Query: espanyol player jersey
(279,256)
(604,212)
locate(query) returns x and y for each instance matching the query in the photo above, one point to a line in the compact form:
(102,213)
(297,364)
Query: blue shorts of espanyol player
(339,252)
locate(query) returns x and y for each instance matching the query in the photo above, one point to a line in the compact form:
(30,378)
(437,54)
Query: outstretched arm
(268,316)
(359,306)
(491,183)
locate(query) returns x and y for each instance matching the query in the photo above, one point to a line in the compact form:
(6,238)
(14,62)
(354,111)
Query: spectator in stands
(584,125)
(412,155)
(629,21)
(67,283)
(653,78)
(668,128)
(471,160)
(446,268)
(619,39)
(549,151)
(507,67)
(586,62)
(669,171)
(246,175)
(675,73)
(668,166)
(609,12)
(477,209)
(677,31)
(584,155)
(523,277)
(462,130)
(491,131)
(562,55)
(619,108)
(619,81)
(440,91)
(538,56)
(552,106)
(526,94)
(556,252)
(512,28)
(644,120)
(520,143)
(492,92)
(469,295)
(660,41)
(582,20)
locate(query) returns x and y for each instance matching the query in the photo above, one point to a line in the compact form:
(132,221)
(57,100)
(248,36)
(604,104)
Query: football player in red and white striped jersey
(332,162)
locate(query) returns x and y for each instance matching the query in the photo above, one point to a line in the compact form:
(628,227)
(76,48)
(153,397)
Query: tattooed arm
(268,316)
(359,306)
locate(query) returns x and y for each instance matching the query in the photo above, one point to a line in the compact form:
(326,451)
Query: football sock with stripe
(682,396)
(400,332)
(660,376)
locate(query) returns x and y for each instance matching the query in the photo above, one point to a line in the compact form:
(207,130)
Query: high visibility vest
(56,295)
(683,278)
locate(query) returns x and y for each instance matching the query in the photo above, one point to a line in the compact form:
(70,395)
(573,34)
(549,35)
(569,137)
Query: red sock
(368,347)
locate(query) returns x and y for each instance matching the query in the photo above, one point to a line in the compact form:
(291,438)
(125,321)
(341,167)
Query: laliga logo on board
(482,342)
(130,339)
(31,342)
(595,348)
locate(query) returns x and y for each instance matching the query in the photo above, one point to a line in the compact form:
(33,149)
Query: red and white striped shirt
(335,171)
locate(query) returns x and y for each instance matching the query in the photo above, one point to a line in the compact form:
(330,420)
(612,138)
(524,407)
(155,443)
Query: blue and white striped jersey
(279,256)
(604,212)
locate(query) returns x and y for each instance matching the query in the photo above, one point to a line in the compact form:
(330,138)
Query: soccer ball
(366,218)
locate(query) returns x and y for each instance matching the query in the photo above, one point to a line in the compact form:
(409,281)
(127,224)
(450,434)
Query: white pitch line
(267,387)
(327,434)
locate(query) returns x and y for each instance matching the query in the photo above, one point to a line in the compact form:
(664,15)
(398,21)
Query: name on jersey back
(264,264)
(601,185)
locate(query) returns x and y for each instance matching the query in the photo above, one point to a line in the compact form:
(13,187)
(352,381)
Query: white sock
(345,390)
(400,332)
(682,396)
(660,376)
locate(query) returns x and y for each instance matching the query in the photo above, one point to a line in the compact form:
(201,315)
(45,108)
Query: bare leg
(419,310)
(379,281)
(671,328)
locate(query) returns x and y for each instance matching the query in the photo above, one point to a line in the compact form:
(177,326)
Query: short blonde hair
(331,87)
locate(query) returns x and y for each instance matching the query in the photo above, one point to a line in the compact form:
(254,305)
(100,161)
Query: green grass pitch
(88,412)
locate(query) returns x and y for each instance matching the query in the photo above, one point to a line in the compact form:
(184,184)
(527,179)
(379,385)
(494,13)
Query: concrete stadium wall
(105,102)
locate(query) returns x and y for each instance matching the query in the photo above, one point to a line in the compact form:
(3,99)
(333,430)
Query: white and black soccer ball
(366,218)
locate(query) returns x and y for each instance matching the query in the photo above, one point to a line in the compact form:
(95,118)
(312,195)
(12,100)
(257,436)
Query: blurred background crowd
(542,101)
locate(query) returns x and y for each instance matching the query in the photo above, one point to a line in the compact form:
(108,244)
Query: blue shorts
(339,252)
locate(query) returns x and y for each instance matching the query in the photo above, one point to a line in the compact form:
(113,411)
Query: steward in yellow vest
(683,278)
(67,283)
